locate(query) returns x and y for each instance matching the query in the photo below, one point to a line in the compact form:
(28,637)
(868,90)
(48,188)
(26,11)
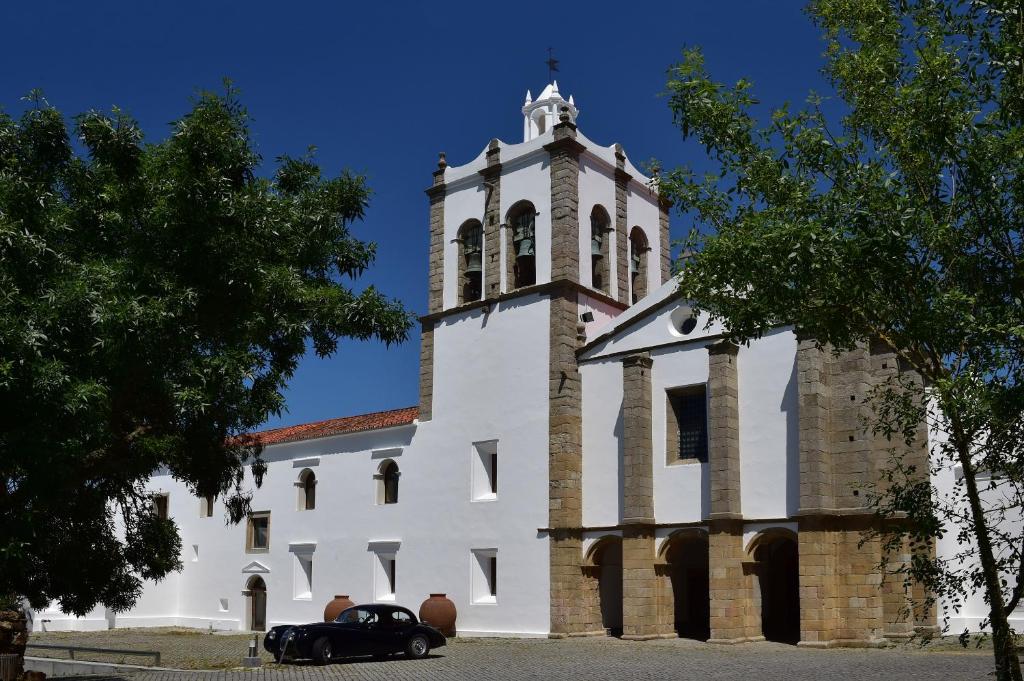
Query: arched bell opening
(606,566)
(256,603)
(777,562)
(521,245)
(686,556)
(471,259)
(600,230)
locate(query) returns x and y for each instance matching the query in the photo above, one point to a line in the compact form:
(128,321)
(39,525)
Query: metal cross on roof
(552,65)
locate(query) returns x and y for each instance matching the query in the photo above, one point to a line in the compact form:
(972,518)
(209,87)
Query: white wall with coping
(769,426)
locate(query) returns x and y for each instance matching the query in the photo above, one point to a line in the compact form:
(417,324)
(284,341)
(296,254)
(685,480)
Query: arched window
(540,119)
(471,254)
(600,226)
(307,490)
(387,482)
(521,223)
(638,249)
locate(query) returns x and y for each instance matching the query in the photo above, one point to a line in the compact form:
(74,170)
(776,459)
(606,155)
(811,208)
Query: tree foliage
(154,300)
(898,220)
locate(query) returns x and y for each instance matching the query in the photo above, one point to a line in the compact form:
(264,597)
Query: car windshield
(357,616)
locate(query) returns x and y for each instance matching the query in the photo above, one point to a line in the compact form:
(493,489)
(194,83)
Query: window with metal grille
(687,424)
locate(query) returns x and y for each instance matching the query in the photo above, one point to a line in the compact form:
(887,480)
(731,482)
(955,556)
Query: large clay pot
(334,608)
(13,637)
(439,612)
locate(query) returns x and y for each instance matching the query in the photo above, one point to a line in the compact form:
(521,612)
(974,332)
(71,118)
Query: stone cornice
(567,144)
(548,287)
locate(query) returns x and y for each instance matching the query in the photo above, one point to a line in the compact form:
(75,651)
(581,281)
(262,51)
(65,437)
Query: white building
(654,480)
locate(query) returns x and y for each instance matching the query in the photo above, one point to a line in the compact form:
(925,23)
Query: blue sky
(381,87)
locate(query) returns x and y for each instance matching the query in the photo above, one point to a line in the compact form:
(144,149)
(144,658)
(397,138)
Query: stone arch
(774,553)
(639,247)
(600,260)
(255,603)
(387,477)
(604,563)
(306,486)
(471,261)
(521,245)
(683,559)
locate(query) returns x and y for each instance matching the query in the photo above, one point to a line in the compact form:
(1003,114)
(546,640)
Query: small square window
(484,581)
(385,577)
(161,503)
(485,471)
(258,535)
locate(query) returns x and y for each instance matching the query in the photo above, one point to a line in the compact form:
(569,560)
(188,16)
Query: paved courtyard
(591,659)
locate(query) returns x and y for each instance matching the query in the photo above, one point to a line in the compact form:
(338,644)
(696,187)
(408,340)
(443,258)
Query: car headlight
(272,635)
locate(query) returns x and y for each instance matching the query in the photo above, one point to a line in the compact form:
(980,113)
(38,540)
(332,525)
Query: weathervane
(552,65)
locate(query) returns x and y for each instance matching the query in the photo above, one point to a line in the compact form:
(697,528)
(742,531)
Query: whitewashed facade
(493,374)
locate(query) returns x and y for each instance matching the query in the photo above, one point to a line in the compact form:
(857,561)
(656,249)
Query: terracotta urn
(334,608)
(439,612)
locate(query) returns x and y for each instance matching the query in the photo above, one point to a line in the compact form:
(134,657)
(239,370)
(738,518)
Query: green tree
(899,219)
(154,301)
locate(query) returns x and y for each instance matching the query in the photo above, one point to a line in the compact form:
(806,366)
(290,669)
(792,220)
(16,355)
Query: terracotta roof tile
(339,426)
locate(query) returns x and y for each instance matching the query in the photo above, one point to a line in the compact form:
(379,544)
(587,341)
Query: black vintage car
(378,630)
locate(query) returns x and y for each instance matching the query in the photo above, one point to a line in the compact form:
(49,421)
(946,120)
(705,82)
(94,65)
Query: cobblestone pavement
(591,659)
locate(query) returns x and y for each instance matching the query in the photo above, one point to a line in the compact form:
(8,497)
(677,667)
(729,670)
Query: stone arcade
(655,480)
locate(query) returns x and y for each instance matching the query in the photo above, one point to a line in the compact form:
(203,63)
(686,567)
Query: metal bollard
(253,660)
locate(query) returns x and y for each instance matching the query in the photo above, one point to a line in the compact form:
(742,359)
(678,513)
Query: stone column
(639,584)
(492,221)
(728,583)
(569,613)
(666,247)
(565,222)
(723,432)
(621,273)
(637,466)
(426,371)
(435,289)
(813,397)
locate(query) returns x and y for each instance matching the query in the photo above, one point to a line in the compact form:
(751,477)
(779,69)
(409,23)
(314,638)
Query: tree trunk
(13,637)
(1003,643)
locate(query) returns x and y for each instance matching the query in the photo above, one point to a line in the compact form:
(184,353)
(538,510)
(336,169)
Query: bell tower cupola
(542,114)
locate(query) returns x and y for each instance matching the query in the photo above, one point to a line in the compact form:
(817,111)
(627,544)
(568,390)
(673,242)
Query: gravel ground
(591,659)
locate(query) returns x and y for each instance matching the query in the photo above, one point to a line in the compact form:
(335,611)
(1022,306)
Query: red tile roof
(346,424)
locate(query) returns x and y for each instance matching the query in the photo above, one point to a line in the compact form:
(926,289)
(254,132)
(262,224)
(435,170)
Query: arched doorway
(256,597)
(779,576)
(687,558)
(607,557)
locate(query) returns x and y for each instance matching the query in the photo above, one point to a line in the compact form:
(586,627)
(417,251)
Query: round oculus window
(682,321)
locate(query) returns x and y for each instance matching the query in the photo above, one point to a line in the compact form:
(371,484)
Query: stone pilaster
(638,471)
(733,610)
(492,221)
(426,371)
(435,287)
(723,431)
(565,221)
(639,585)
(569,613)
(665,257)
(622,179)
(815,452)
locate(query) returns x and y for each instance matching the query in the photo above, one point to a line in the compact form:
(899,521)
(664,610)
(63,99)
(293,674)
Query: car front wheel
(322,652)
(417,647)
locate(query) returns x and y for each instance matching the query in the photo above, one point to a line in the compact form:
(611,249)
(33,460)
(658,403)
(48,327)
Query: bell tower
(533,247)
